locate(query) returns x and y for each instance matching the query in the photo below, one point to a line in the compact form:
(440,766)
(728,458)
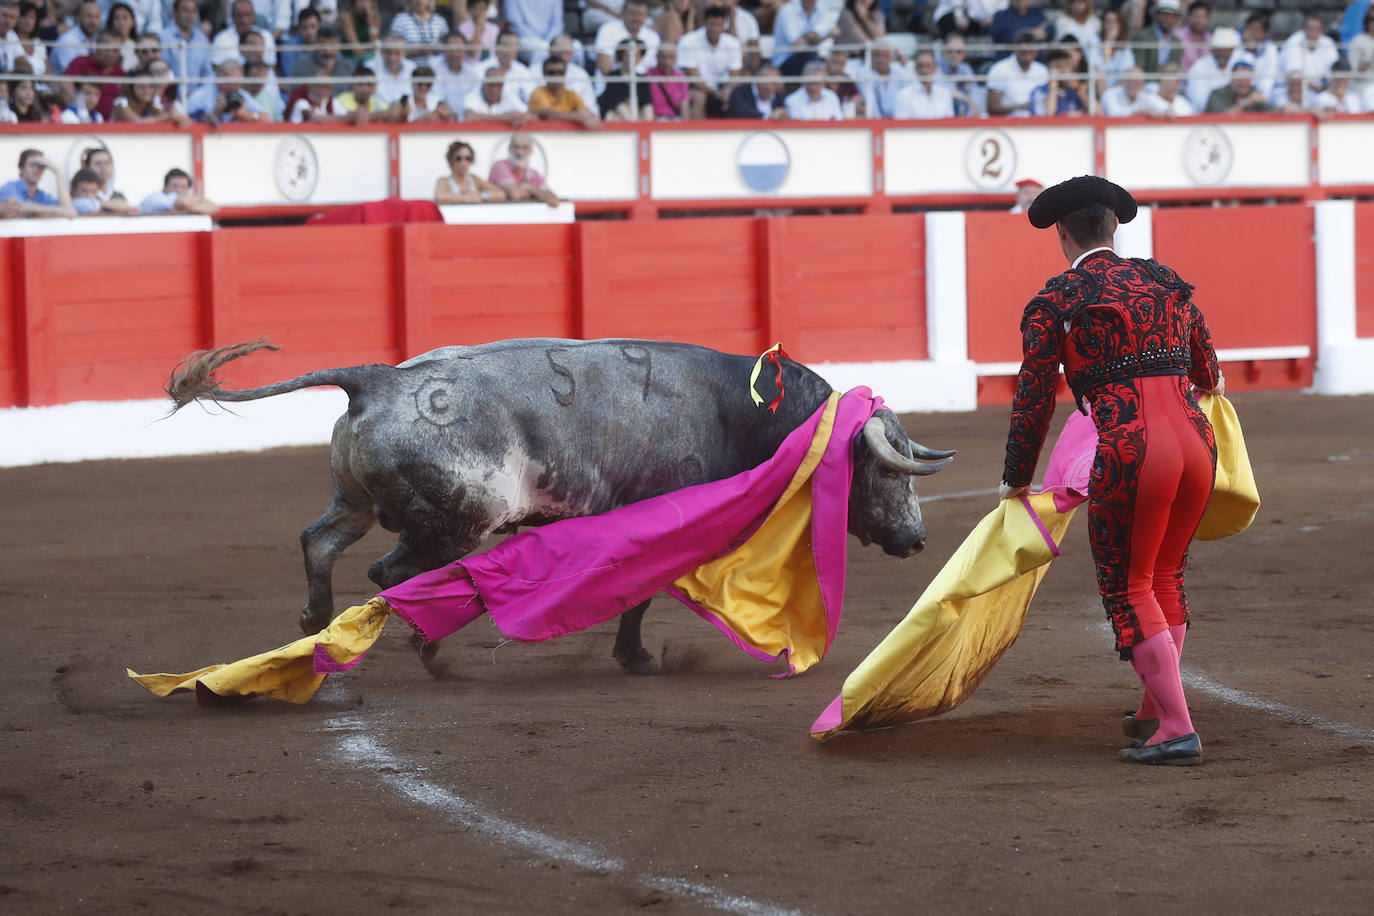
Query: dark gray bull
(460,442)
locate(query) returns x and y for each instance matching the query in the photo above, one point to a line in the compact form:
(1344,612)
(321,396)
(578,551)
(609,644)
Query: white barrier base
(910,386)
(1345,368)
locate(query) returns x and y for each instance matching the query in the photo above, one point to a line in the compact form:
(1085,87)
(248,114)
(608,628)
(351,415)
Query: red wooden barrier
(1364,269)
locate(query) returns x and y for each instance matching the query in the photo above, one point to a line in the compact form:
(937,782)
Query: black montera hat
(1079,193)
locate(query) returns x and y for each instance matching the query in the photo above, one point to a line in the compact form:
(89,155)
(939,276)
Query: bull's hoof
(428,651)
(313,623)
(638,662)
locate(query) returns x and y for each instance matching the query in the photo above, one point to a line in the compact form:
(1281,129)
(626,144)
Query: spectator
(1261,53)
(305,34)
(1078,20)
(359,24)
(9,37)
(420,27)
(517,178)
(861,21)
(1111,57)
(611,35)
(554,101)
(275,15)
(1064,95)
(596,13)
(1128,97)
(147,48)
(1361,52)
(176,196)
(462,185)
(1168,101)
(1012,79)
(393,71)
(1292,96)
(85,109)
(33,200)
(1212,71)
(24,106)
(315,102)
(668,98)
(812,101)
(758,100)
(520,81)
(1027,190)
(84,188)
(217,103)
(615,102)
(102,62)
(925,98)
(677,18)
(101,163)
(1240,95)
(253,51)
(326,55)
(184,36)
(537,22)
(958,74)
(577,79)
(739,22)
(837,81)
(967,17)
(454,78)
(120,20)
(1339,97)
(490,102)
(226,43)
(1310,51)
(165,90)
(361,100)
(710,57)
(882,80)
(261,83)
(1158,44)
(140,102)
(753,57)
(427,105)
(798,28)
(147,16)
(1017,19)
(79,41)
(479,32)
(22,41)
(1196,34)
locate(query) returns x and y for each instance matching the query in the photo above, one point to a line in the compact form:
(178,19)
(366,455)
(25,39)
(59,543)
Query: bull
(461,442)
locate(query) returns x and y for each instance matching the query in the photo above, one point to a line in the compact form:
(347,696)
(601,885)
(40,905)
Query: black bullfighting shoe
(1143,729)
(1183,751)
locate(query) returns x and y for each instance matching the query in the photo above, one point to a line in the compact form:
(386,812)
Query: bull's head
(883,507)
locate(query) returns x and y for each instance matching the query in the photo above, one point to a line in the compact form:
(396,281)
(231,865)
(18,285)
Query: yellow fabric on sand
(1235,497)
(286,673)
(968,616)
(766,590)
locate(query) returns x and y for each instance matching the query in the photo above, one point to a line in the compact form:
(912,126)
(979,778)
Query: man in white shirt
(1127,97)
(1339,98)
(1310,50)
(596,13)
(799,26)
(634,21)
(394,71)
(925,98)
(882,81)
(1013,78)
(454,79)
(519,81)
(740,22)
(490,102)
(1167,101)
(1212,71)
(1259,52)
(814,102)
(226,44)
(710,57)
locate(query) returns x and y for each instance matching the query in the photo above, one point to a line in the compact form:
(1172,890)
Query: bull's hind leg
(415,554)
(629,646)
(341,525)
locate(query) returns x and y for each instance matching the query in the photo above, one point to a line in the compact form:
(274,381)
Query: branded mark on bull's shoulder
(639,356)
(564,397)
(437,401)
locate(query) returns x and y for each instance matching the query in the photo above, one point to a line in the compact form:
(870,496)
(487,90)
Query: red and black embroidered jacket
(1109,320)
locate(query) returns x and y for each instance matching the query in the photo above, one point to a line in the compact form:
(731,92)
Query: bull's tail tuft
(195,378)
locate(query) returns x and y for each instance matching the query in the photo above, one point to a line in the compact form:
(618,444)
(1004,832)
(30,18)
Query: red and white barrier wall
(923,308)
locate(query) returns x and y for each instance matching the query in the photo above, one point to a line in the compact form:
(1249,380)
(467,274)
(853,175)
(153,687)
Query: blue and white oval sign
(763,161)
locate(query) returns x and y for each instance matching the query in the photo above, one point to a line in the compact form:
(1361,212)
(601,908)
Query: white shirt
(1091,251)
(1111,67)
(924,100)
(1116,104)
(303,105)
(226,47)
(614,32)
(1089,34)
(580,81)
(713,63)
(792,22)
(1326,101)
(1205,76)
(520,80)
(454,88)
(390,87)
(147,15)
(1367,98)
(880,91)
(1315,63)
(746,26)
(1180,107)
(976,10)
(1015,84)
(826,108)
(504,105)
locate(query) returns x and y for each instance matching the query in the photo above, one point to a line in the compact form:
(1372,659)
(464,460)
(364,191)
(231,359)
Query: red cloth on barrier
(389,211)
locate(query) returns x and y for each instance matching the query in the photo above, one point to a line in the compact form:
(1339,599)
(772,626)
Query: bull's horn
(876,437)
(929,454)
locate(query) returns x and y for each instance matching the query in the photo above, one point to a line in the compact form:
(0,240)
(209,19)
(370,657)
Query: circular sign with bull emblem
(1207,155)
(990,158)
(296,168)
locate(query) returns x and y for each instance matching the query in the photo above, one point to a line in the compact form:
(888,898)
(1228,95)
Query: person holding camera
(225,100)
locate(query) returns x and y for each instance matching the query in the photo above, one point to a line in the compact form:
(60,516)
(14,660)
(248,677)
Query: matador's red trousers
(1151,479)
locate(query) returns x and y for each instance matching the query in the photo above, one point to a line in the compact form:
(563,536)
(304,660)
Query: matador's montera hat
(1079,193)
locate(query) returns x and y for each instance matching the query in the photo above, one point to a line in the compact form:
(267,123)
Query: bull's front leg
(341,525)
(629,646)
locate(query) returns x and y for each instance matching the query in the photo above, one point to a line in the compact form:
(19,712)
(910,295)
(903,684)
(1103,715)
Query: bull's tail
(194,379)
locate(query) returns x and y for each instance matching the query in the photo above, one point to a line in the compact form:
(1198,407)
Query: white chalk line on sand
(1201,682)
(405,779)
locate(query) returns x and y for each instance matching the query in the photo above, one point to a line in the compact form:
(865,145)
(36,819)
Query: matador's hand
(1004,491)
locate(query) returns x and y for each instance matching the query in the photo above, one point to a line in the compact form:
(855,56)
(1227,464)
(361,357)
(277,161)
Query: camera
(405,100)
(233,104)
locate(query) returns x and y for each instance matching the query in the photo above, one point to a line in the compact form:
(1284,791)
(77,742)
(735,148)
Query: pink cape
(579,572)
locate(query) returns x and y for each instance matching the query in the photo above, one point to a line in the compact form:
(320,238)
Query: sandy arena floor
(542,779)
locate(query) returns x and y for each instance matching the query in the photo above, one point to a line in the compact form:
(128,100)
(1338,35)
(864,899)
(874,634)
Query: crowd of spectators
(356,61)
(91,191)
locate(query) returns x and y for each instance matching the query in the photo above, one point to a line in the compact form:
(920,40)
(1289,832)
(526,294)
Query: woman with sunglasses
(462,185)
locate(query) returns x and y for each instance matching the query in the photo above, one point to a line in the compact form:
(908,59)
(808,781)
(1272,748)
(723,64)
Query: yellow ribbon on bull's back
(288,672)
(766,590)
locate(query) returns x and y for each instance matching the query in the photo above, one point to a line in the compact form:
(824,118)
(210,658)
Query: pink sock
(1155,661)
(1147,709)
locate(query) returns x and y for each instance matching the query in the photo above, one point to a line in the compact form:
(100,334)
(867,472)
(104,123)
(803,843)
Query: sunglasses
(149,50)
(462,157)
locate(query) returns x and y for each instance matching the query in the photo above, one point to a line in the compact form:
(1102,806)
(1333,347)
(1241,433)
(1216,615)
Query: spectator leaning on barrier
(669,98)
(79,41)
(184,36)
(1195,34)
(1340,97)
(489,102)
(710,57)
(1212,71)
(837,80)
(102,62)
(1311,51)
(259,82)
(758,100)
(1261,53)
(1168,100)
(517,178)
(84,109)
(925,98)
(578,80)
(882,80)
(614,102)
(226,43)
(32,200)
(315,102)
(1065,94)
(1240,95)
(393,71)
(1127,97)
(1017,19)
(958,73)
(361,100)
(1012,79)
(427,104)
(176,196)
(454,77)
(84,187)
(1292,95)
(101,164)
(812,101)
(800,26)
(520,80)
(23,103)
(632,23)
(1157,44)
(554,101)
(216,103)
(462,185)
